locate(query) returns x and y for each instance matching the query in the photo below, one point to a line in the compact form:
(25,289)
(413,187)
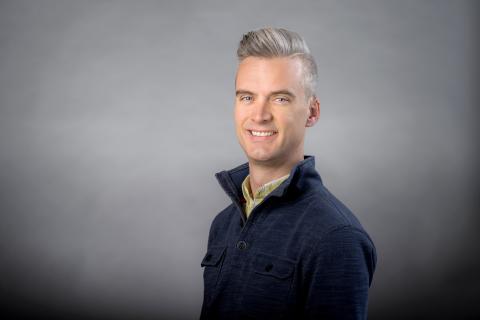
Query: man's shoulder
(328,227)
(224,216)
(325,213)
(221,224)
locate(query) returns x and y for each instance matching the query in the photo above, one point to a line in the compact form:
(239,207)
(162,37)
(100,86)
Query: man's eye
(246,98)
(282,99)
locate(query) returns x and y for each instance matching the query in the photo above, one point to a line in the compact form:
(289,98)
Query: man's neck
(261,174)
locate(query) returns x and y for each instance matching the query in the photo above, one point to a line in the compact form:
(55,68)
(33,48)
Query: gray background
(115,115)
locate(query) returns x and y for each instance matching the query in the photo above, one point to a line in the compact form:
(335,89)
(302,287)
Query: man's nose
(261,111)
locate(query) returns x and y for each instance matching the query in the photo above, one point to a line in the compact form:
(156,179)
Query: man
(285,248)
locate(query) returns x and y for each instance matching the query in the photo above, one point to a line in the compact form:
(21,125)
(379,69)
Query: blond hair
(278,42)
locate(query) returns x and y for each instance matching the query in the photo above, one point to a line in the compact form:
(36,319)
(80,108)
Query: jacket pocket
(212,261)
(268,286)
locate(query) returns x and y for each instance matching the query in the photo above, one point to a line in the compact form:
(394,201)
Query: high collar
(303,177)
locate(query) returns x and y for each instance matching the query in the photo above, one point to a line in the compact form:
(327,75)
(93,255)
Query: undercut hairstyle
(278,42)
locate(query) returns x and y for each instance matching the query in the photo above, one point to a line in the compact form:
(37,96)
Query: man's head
(275,96)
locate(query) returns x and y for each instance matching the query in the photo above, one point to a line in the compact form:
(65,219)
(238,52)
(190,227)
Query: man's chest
(257,261)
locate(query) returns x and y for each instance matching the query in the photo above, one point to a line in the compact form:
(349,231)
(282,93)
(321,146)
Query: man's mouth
(262,133)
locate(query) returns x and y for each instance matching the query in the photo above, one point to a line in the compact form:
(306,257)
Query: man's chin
(264,159)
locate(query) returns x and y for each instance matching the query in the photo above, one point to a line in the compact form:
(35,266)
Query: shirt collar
(263,191)
(303,177)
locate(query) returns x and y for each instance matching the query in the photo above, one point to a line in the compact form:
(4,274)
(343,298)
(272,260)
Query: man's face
(271,109)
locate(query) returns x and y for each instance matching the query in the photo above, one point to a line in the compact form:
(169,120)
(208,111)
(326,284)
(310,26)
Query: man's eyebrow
(243,92)
(285,92)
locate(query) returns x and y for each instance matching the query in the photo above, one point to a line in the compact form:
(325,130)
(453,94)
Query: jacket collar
(303,177)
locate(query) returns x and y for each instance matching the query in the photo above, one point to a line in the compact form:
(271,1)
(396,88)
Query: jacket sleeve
(338,274)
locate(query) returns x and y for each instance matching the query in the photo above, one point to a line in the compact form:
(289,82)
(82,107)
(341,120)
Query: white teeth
(262,133)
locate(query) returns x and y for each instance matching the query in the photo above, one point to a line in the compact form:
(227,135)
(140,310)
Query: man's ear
(314,110)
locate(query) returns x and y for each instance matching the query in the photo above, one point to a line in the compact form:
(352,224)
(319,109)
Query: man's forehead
(278,64)
(275,73)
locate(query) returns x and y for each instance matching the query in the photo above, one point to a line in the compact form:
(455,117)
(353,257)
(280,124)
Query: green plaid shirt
(260,194)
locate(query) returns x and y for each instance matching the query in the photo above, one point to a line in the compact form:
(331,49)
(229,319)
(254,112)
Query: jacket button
(268,267)
(241,245)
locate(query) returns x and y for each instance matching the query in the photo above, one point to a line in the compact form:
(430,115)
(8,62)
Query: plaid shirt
(260,194)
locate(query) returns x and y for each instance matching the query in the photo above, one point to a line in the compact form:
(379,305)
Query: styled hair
(277,42)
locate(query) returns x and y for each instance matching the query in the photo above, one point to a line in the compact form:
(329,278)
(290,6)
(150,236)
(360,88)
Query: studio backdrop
(115,116)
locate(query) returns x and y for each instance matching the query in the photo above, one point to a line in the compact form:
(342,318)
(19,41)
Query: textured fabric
(300,255)
(260,194)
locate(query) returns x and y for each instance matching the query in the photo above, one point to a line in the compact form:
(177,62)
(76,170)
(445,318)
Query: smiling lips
(261,134)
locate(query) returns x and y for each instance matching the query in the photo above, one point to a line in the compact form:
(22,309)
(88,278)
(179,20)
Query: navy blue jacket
(301,254)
